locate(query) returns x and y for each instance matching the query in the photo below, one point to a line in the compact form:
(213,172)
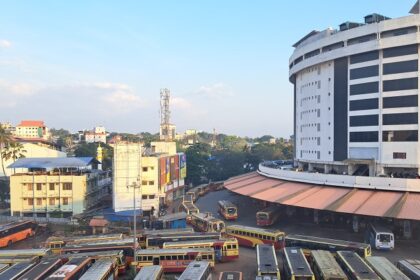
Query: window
(67,186)
(400,136)
(400,51)
(39,201)
(333,47)
(363,57)
(144,196)
(400,67)
(364,104)
(30,187)
(144,169)
(312,53)
(365,136)
(400,101)
(38,186)
(30,201)
(399,155)
(362,39)
(364,88)
(65,201)
(51,201)
(151,183)
(52,186)
(368,120)
(144,183)
(399,32)
(364,72)
(400,84)
(318,127)
(403,118)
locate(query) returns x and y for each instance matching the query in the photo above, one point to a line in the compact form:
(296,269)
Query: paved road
(247,209)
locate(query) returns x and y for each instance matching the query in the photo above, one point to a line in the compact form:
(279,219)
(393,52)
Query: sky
(77,64)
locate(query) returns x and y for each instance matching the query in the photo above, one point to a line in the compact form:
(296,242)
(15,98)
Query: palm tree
(13,150)
(5,139)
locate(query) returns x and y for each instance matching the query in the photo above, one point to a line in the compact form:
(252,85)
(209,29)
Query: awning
(392,204)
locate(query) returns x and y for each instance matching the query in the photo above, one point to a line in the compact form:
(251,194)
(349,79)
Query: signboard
(162,169)
(182,165)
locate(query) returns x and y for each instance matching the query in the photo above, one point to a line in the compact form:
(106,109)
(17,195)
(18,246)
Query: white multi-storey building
(356,97)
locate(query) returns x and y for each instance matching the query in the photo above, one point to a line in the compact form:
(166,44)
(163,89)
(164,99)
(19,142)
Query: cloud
(5,44)
(217,90)
(181,103)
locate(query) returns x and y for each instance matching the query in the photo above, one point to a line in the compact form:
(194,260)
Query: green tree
(5,139)
(198,156)
(90,150)
(13,150)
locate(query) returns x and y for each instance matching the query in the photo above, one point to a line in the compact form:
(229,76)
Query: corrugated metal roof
(402,205)
(64,162)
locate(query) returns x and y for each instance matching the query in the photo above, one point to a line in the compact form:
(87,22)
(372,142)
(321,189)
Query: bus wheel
(9,243)
(28,235)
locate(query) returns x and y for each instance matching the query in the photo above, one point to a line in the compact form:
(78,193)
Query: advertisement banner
(162,169)
(168,170)
(182,165)
(176,168)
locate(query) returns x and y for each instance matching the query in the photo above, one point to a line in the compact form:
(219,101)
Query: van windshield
(385,237)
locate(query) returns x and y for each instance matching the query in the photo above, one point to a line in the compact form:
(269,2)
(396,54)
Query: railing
(6,219)
(361,182)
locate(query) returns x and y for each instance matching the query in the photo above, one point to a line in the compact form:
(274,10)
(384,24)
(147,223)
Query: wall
(395,184)
(126,170)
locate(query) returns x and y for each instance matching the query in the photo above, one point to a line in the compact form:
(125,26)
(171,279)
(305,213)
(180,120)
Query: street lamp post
(134,186)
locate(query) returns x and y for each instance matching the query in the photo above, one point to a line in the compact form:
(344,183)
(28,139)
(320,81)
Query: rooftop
(32,123)
(47,163)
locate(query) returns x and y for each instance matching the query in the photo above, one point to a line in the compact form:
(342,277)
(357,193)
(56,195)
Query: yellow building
(58,187)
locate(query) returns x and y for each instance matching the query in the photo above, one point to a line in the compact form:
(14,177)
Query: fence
(41,220)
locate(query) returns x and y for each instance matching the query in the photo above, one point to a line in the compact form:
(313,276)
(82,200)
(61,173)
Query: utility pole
(135,186)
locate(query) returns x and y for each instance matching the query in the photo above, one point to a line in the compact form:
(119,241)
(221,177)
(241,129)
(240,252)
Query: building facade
(58,187)
(97,135)
(356,98)
(156,175)
(30,129)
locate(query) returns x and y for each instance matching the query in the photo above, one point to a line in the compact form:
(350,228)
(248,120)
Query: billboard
(168,169)
(162,169)
(175,167)
(182,165)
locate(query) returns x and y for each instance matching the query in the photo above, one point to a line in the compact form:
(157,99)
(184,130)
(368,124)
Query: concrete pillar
(372,169)
(316,217)
(327,168)
(380,169)
(355,224)
(350,169)
(310,167)
(407,230)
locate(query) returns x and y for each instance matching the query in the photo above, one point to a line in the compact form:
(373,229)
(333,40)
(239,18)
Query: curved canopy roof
(392,204)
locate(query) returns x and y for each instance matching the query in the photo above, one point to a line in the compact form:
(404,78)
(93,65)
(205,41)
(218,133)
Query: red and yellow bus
(126,245)
(228,210)
(72,270)
(224,249)
(173,260)
(230,275)
(16,231)
(251,236)
(207,223)
(162,232)
(155,242)
(268,216)
(55,243)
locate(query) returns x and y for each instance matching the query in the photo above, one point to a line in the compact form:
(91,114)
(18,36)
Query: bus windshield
(385,237)
(262,216)
(231,210)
